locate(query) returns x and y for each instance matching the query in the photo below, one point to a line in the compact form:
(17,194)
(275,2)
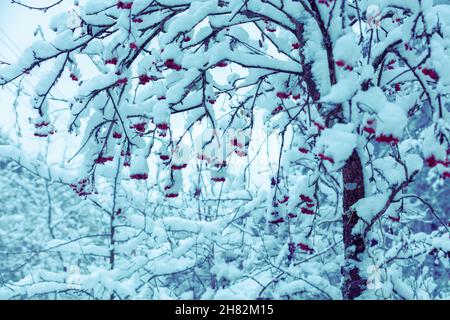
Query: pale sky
(17,27)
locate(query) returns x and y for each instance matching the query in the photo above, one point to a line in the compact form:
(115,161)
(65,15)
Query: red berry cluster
(43,135)
(239,147)
(170,194)
(127,155)
(390,64)
(124,153)
(305,247)
(111,61)
(122,81)
(301,246)
(307,204)
(222,64)
(433,162)
(319,126)
(102,159)
(277,110)
(303,150)
(324,157)
(162,126)
(274,181)
(383,138)
(284,95)
(82,188)
(387,139)
(144,79)
(369,126)
(220,164)
(41,124)
(178,166)
(430,73)
(170,64)
(124,5)
(139,176)
(241,153)
(139,127)
(164,157)
(277,221)
(275,204)
(342,64)
(43,129)
(236,143)
(284,200)
(394,219)
(408,47)
(201,156)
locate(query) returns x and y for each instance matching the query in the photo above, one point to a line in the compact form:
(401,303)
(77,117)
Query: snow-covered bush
(255,149)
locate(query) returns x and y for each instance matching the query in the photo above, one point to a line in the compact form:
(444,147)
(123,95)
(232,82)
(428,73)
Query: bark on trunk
(353,178)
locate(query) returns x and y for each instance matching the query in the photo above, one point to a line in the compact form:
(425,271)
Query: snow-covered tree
(273,144)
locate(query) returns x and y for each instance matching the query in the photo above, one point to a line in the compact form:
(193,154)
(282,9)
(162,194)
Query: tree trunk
(354,245)
(353,177)
(112,253)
